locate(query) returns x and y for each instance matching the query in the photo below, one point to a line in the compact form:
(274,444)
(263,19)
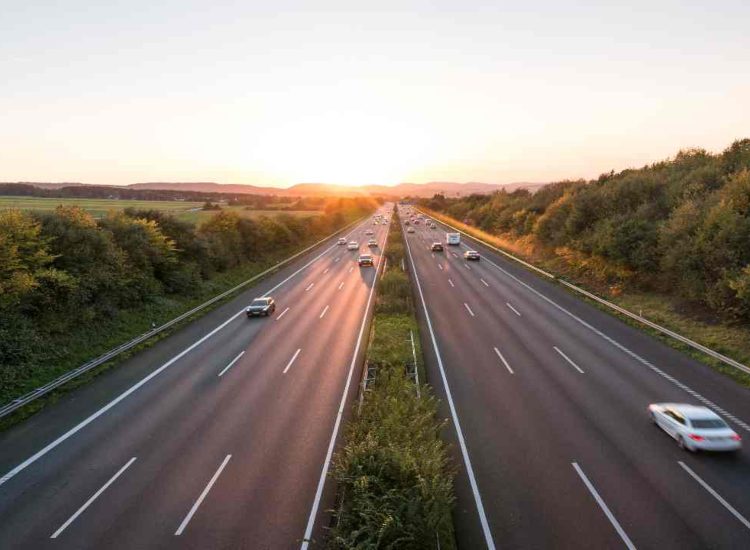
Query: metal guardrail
(672,334)
(19,402)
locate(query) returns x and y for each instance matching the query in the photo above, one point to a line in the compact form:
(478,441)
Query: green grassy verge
(394,475)
(665,310)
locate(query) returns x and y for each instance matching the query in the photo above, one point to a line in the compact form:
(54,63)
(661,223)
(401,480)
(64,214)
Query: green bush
(394,293)
(393,473)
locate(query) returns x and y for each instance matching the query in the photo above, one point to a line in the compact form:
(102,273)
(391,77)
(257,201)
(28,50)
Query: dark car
(261,306)
(365,260)
(471,255)
(436,247)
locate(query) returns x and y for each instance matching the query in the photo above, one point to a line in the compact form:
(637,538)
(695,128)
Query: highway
(550,394)
(218,436)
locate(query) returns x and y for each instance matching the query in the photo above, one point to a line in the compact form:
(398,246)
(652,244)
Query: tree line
(64,270)
(680,226)
(265,202)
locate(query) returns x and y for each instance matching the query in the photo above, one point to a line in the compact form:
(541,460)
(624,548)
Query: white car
(695,427)
(372,243)
(353,245)
(342,240)
(410,229)
(368,232)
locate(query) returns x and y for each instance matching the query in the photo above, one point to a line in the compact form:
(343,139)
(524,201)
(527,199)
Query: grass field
(199,215)
(184,210)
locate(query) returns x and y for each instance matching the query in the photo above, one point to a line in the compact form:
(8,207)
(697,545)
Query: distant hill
(307,189)
(451,189)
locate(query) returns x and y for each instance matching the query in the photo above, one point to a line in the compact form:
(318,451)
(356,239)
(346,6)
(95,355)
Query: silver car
(695,427)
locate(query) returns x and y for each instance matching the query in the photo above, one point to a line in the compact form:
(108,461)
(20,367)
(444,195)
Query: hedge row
(394,475)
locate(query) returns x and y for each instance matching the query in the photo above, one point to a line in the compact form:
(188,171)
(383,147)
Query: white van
(453,238)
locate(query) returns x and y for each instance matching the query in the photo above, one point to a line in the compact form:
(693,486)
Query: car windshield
(260,302)
(708,423)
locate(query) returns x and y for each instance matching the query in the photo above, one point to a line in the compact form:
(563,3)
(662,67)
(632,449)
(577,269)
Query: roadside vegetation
(670,240)
(194,212)
(72,286)
(393,472)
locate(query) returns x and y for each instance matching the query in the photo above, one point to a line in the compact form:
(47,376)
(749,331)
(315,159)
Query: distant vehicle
(410,230)
(471,255)
(436,247)
(261,306)
(432,225)
(416,222)
(368,232)
(695,427)
(453,239)
(353,245)
(342,240)
(372,243)
(365,260)
(406,222)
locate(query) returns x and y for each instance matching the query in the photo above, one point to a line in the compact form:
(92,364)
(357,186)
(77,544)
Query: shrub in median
(394,477)
(393,473)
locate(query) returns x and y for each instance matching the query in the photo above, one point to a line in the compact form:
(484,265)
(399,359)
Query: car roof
(263,298)
(690,411)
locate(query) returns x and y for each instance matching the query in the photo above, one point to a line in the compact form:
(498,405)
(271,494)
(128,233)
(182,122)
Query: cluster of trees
(63,269)
(682,225)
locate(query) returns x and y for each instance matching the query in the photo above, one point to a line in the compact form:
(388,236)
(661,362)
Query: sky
(280,92)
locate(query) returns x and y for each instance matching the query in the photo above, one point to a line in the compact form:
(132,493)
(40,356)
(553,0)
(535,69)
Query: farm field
(184,210)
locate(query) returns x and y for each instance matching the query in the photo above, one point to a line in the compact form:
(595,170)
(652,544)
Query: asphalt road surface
(551,395)
(216,437)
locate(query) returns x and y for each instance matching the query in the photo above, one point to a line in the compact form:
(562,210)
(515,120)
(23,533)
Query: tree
(24,255)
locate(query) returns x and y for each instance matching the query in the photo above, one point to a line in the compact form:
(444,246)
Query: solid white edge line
(469,309)
(78,427)
(500,355)
(603,505)
(454,415)
(93,497)
(568,359)
(202,496)
(714,494)
(229,366)
(289,364)
(282,314)
(340,412)
(325,309)
(514,310)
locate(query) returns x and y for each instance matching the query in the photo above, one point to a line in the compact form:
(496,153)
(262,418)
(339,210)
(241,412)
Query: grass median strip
(393,472)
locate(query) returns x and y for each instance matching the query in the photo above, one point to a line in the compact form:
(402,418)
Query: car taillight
(696,437)
(736,437)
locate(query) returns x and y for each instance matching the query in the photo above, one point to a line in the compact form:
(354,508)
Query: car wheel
(684,445)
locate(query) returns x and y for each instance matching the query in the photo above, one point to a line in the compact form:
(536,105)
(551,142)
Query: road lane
(184,422)
(524,431)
